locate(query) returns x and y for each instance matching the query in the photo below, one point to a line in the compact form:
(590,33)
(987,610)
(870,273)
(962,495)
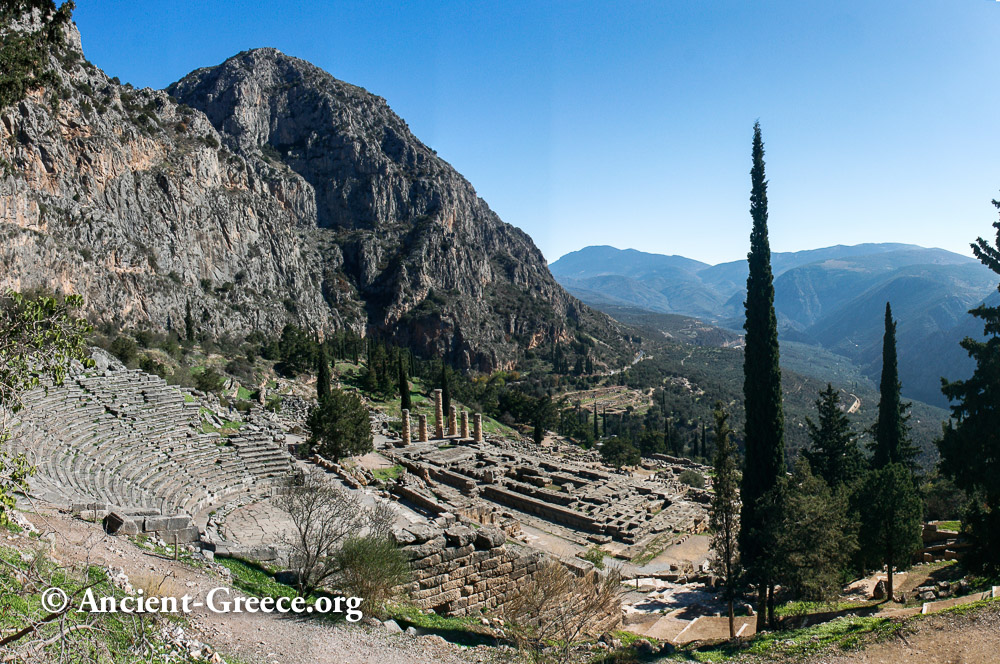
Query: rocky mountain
(832,297)
(262,191)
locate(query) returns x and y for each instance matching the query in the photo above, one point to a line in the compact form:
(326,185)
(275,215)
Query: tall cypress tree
(322,374)
(445,390)
(404,386)
(892,441)
(597,434)
(765,420)
(188,322)
(970,443)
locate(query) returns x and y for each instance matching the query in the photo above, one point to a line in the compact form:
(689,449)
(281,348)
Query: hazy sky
(630,124)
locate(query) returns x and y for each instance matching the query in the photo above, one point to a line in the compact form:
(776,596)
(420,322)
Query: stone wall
(464,571)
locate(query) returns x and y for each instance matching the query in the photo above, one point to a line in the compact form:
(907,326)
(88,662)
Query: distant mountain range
(832,297)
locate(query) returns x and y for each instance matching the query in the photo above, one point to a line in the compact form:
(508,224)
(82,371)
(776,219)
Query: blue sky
(630,124)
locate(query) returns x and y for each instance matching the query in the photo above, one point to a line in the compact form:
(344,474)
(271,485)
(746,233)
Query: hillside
(269,193)
(832,298)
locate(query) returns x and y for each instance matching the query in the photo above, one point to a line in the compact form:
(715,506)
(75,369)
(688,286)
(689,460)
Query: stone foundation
(463,571)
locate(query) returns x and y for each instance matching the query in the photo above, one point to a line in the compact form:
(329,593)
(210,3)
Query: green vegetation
(340,426)
(390,474)
(969,442)
(725,515)
(595,556)
(765,418)
(25,54)
(86,637)
(39,337)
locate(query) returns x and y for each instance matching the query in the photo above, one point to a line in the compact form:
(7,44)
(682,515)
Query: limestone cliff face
(264,191)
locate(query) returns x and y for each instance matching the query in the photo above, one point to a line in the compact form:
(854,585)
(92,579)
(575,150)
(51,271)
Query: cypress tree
(445,391)
(405,402)
(969,444)
(322,374)
(833,453)
(725,515)
(765,421)
(188,322)
(892,442)
(597,434)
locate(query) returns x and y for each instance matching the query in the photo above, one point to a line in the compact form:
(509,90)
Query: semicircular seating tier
(130,440)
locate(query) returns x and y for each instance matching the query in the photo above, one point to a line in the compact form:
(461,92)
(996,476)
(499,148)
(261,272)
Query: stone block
(489,537)
(116,523)
(459,535)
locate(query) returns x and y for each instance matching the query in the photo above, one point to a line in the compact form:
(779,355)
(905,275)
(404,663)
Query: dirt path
(949,639)
(255,638)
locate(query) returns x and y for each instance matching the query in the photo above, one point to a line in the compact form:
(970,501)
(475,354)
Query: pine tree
(892,441)
(816,540)
(969,444)
(765,421)
(834,454)
(725,515)
(405,402)
(322,374)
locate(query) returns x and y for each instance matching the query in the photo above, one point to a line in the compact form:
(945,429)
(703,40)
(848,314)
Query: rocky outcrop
(264,191)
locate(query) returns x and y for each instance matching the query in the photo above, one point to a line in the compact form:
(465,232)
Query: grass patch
(950,525)
(255,579)
(843,633)
(463,631)
(805,608)
(390,474)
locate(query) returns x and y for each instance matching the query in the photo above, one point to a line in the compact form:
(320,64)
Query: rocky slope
(264,191)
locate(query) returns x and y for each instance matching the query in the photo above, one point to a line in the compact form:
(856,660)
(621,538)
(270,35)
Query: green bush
(124,348)
(371,568)
(693,479)
(209,380)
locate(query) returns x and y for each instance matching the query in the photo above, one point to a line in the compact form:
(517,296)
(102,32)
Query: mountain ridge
(822,297)
(314,205)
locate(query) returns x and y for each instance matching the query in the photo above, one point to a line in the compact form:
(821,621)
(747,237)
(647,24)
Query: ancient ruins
(477,513)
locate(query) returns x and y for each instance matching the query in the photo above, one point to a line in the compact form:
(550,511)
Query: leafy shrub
(693,479)
(209,380)
(124,348)
(371,568)
(151,366)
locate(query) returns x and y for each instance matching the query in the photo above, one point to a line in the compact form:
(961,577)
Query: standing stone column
(452,420)
(423,428)
(465,425)
(477,427)
(406,426)
(438,415)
